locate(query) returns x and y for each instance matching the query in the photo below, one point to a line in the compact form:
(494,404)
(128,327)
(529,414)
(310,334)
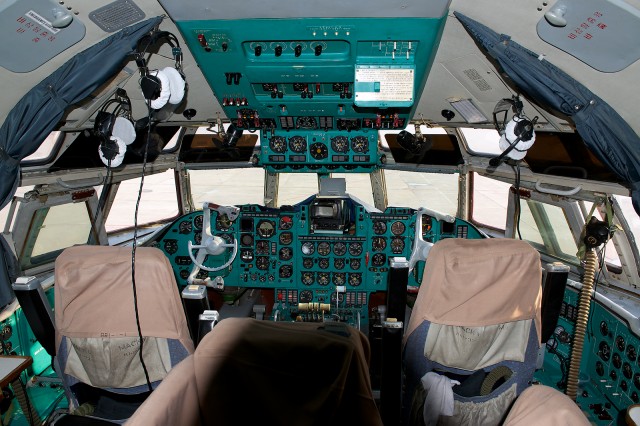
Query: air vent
(117,15)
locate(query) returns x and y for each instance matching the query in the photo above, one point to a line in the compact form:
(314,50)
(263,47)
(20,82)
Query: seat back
(247,371)
(476,320)
(96,332)
(545,406)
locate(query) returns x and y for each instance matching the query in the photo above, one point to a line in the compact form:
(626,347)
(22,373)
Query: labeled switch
(257,50)
(318,50)
(298,50)
(278,50)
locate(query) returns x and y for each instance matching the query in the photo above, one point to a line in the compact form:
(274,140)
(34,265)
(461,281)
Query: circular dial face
(227,238)
(338,297)
(285,238)
(323,263)
(246,255)
(324,248)
(246,239)
(266,228)
(307,262)
(171,246)
(604,328)
(355,279)
(197,222)
(359,144)
(397,245)
(305,296)
(379,227)
(319,151)
(339,278)
(616,360)
(355,249)
(202,274)
(185,227)
(627,371)
(285,271)
(184,274)
(378,259)
(197,237)
(339,248)
(604,351)
(338,263)
(323,278)
(340,144)
(354,263)
(308,248)
(286,222)
(306,123)
(278,144)
(398,228)
(262,262)
(308,278)
(262,247)
(631,352)
(223,222)
(297,144)
(378,244)
(285,253)
(620,343)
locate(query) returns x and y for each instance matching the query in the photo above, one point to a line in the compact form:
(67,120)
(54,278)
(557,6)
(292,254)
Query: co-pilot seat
(541,405)
(96,333)
(249,372)
(476,320)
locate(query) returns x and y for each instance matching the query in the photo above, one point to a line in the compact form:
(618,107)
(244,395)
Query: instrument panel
(320,256)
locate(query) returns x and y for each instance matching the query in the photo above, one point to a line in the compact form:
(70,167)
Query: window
(47,149)
(159,201)
(227,186)
(490,200)
(434,191)
(4,213)
(482,141)
(296,187)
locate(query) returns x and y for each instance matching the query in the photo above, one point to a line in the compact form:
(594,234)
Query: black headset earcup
(104,123)
(151,87)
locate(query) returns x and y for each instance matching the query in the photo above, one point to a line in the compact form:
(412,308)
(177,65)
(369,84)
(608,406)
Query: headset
(167,85)
(516,134)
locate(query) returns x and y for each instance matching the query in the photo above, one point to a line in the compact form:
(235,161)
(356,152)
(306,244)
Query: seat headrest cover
(476,283)
(94,296)
(541,405)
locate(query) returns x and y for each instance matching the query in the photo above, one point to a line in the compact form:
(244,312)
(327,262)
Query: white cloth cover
(439,399)
(123,129)
(171,87)
(117,160)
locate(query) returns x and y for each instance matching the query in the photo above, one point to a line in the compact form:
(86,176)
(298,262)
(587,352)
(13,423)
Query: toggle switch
(298,50)
(318,50)
(278,51)
(257,50)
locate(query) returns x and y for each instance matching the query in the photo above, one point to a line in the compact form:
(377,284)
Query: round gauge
(308,278)
(398,228)
(355,249)
(323,278)
(285,253)
(202,274)
(620,343)
(197,222)
(323,263)
(379,227)
(308,248)
(339,248)
(306,123)
(227,238)
(266,228)
(262,247)
(340,144)
(339,278)
(631,352)
(359,143)
(184,274)
(324,248)
(262,263)
(223,222)
(600,369)
(278,144)
(604,350)
(285,271)
(378,244)
(246,239)
(627,371)
(297,144)
(171,246)
(354,263)
(355,279)
(338,263)
(397,245)
(378,259)
(339,297)
(604,328)
(616,360)
(307,262)
(285,238)
(246,255)
(197,237)
(319,151)
(286,222)
(305,296)
(636,379)
(185,227)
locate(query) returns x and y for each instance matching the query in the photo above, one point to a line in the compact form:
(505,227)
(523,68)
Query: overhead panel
(317,89)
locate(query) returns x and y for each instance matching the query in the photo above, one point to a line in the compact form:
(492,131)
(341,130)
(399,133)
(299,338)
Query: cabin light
(555,15)
(467,110)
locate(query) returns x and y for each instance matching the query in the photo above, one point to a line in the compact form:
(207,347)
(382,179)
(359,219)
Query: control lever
(421,248)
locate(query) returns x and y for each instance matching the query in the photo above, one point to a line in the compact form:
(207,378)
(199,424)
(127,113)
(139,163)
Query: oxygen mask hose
(596,233)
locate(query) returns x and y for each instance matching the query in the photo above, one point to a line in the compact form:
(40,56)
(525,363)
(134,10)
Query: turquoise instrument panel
(317,89)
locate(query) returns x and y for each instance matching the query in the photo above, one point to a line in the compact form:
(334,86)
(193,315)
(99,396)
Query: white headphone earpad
(117,160)
(165,90)
(176,85)
(123,129)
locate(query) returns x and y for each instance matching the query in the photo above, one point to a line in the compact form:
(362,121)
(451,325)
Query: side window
(490,200)
(159,202)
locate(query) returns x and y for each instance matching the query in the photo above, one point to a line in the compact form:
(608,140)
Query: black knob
(318,50)
(278,50)
(225,46)
(257,50)
(298,50)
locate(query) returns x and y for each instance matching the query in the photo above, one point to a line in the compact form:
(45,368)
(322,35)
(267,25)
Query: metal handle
(547,190)
(99,181)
